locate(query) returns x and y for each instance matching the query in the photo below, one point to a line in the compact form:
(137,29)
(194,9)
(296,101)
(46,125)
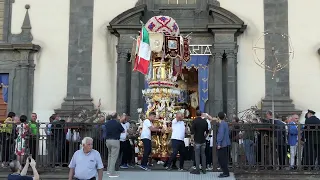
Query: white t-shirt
(146,132)
(178,130)
(211,139)
(209,128)
(123,136)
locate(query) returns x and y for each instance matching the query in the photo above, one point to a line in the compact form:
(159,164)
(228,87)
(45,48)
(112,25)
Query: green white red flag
(144,52)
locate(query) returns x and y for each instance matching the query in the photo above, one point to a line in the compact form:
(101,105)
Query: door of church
(3,107)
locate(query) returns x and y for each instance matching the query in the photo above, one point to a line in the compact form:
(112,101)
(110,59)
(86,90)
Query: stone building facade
(85,49)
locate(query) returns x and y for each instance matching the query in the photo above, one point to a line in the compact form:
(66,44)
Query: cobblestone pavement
(165,175)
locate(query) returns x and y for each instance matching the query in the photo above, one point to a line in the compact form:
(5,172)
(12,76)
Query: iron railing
(253,146)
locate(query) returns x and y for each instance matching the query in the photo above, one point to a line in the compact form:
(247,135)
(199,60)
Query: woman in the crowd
(22,130)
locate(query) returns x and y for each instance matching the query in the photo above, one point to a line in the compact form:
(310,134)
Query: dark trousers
(125,152)
(146,151)
(177,146)
(282,154)
(223,159)
(208,153)
(310,153)
(6,147)
(200,153)
(33,146)
(51,149)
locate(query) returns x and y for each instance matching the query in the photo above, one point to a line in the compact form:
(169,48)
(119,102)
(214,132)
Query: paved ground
(165,175)
(142,175)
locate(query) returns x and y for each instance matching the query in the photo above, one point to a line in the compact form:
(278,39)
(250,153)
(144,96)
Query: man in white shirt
(145,137)
(125,147)
(177,141)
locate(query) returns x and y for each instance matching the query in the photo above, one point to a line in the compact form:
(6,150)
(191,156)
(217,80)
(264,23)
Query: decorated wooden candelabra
(161,95)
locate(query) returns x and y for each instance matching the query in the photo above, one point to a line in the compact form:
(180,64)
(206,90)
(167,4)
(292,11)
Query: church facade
(57,56)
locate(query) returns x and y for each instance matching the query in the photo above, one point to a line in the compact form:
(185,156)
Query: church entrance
(3,107)
(188,83)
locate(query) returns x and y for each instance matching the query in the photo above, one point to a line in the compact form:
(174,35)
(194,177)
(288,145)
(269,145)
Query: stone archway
(210,24)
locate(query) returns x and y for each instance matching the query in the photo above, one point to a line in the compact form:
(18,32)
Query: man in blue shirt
(223,142)
(86,163)
(114,129)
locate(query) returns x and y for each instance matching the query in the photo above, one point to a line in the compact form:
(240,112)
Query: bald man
(177,141)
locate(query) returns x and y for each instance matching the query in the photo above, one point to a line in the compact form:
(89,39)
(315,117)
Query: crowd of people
(288,142)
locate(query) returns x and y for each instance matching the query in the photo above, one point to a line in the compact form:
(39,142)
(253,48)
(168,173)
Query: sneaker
(223,175)
(144,168)
(181,169)
(124,166)
(113,176)
(193,167)
(150,165)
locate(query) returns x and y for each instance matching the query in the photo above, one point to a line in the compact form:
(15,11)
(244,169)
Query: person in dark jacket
(199,131)
(59,137)
(312,137)
(223,143)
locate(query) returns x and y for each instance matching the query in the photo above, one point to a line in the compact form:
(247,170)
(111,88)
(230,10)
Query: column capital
(217,54)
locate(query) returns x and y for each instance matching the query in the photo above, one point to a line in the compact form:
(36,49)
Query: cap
(311,112)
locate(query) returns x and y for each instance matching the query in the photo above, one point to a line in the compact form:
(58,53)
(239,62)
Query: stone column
(231,83)
(23,84)
(124,48)
(218,90)
(211,94)
(80,57)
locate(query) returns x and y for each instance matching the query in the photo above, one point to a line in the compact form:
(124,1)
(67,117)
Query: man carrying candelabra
(147,128)
(177,141)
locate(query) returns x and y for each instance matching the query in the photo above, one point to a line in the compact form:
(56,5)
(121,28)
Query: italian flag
(144,53)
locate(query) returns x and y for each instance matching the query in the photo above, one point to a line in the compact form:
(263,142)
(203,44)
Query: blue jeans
(249,151)
(146,151)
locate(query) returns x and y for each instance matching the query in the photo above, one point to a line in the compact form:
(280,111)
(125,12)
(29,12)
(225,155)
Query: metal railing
(253,146)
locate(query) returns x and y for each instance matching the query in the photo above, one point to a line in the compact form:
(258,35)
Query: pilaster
(278,84)
(79,58)
(232,104)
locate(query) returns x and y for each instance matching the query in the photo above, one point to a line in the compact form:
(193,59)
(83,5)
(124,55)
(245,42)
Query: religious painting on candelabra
(172,46)
(177,66)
